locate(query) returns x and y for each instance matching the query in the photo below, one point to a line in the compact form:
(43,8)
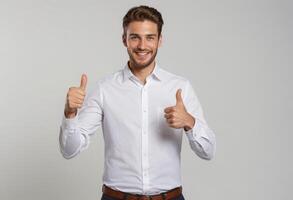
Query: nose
(142,44)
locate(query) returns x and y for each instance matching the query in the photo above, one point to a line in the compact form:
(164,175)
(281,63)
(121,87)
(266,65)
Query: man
(143,111)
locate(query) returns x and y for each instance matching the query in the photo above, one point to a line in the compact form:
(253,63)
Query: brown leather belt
(171,194)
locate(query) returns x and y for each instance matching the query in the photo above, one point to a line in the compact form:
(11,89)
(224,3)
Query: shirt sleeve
(74,135)
(201,138)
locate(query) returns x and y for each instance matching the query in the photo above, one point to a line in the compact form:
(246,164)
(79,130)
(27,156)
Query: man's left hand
(177,116)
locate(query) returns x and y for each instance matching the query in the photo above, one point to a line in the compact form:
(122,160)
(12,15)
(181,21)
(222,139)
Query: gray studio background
(237,54)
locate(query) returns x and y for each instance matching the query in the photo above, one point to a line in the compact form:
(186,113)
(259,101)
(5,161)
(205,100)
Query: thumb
(83,81)
(178,97)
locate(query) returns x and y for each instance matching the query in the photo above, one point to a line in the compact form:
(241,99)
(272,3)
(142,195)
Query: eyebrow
(135,34)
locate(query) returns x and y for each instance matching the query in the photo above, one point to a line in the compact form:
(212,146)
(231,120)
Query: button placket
(145,162)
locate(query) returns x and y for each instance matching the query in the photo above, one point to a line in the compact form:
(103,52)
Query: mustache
(142,50)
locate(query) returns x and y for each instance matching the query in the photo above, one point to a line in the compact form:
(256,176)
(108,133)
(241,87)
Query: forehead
(142,27)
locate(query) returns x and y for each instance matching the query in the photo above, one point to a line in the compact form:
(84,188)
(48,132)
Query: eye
(133,37)
(150,38)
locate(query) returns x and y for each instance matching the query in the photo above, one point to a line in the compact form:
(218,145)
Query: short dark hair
(141,13)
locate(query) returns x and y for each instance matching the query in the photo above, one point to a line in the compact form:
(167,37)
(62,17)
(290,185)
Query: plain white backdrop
(236,53)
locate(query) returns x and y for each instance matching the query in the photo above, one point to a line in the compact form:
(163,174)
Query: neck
(142,73)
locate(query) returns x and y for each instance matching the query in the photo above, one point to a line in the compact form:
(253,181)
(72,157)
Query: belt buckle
(164,196)
(137,197)
(145,197)
(148,197)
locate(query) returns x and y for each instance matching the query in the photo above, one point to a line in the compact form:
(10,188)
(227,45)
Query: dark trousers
(104,197)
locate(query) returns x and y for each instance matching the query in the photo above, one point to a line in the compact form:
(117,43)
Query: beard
(145,64)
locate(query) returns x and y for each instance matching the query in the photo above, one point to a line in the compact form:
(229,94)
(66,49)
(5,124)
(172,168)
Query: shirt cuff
(196,132)
(69,123)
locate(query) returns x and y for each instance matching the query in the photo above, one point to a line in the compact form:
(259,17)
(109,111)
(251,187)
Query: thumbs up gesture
(75,98)
(177,116)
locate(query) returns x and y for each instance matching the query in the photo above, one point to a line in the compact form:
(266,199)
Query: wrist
(189,123)
(70,113)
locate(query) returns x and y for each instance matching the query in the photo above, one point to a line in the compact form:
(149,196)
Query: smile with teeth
(141,54)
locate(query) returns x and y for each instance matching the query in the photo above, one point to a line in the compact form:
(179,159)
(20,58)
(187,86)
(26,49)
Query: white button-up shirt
(142,153)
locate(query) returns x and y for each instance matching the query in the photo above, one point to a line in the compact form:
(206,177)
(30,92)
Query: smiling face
(142,42)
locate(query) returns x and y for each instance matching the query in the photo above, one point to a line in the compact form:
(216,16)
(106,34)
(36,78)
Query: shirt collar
(157,73)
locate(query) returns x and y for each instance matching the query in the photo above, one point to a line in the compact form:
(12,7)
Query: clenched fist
(177,116)
(75,98)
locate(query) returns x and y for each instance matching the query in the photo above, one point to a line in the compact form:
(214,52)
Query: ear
(124,39)
(160,41)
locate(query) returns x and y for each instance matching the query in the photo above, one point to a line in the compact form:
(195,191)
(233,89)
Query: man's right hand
(75,98)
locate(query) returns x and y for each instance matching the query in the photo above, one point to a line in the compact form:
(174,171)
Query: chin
(142,65)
